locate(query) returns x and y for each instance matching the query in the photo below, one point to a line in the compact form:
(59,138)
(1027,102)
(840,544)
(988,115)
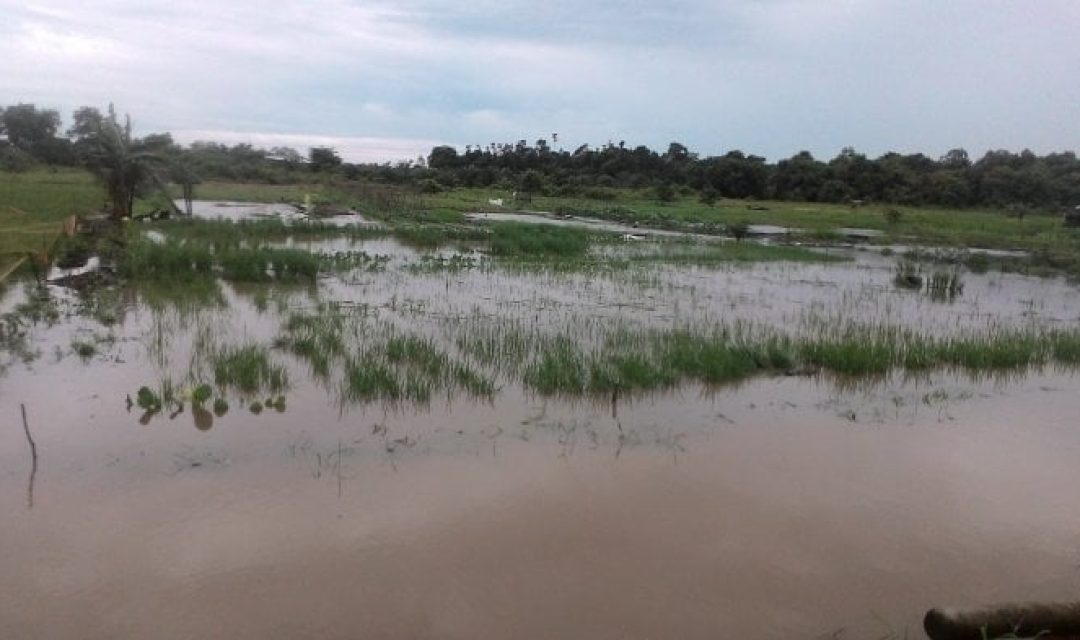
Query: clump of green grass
(184,296)
(424,367)
(170,260)
(439,263)
(249,369)
(176,260)
(354,260)
(519,239)
(560,369)
(368,379)
(259,264)
(428,235)
(421,236)
(85,349)
(861,355)
(656,359)
(908,275)
(945,284)
(385,366)
(316,337)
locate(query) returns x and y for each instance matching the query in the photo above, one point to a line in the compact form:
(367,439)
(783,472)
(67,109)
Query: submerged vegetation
(376,362)
(393,329)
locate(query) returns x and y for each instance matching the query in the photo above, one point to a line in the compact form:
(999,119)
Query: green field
(950,227)
(931,226)
(34,204)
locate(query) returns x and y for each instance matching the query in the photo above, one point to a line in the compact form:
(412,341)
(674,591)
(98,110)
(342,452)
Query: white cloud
(351,149)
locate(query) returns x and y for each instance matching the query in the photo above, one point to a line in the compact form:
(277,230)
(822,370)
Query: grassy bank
(34,204)
(935,226)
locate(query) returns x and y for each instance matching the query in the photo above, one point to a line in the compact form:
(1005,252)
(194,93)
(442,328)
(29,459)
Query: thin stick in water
(33,459)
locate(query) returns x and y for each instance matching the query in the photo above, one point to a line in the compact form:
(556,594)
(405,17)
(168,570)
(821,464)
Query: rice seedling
(440,263)
(354,260)
(945,285)
(316,337)
(367,379)
(169,260)
(266,263)
(908,275)
(85,349)
(249,369)
(522,240)
(430,236)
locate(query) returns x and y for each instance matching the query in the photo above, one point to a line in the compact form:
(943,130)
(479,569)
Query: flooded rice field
(437,444)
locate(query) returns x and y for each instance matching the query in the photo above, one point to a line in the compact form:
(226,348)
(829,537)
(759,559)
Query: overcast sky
(387,79)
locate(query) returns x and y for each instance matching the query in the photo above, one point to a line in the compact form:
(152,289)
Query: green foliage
(148,400)
(248,369)
(33,204)
(201,394)
(170,260)
(664,193)
(323,159)
(709,196)
(84,349)
(262,264)
(124,164)
(739,230)
(516,239)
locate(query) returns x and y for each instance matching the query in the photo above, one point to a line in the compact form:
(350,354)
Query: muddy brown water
(780,507)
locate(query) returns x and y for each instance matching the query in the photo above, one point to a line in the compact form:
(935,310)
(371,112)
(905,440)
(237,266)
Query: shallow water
(777,507)
(543,217)
(238,211)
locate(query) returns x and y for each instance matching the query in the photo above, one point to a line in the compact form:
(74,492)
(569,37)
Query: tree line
(30,135)
(997,179)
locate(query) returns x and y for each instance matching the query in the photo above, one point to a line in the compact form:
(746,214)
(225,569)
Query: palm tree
(120,163)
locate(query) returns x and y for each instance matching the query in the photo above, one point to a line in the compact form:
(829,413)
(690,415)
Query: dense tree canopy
(998,179)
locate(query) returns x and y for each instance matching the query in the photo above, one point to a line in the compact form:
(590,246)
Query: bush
(709,196)
(428,185)
(14,160)
(664,193)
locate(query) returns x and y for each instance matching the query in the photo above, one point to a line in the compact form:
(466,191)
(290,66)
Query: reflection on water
(762,511)
(238,211)
(795,505)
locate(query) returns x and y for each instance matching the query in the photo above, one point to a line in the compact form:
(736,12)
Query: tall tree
(323,158)
(123,163)
(27,126)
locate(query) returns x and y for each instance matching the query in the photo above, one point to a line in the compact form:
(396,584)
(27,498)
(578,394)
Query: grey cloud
(771,76)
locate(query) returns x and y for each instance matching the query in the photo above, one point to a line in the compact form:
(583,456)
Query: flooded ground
(806,506)
(238,211)
(542,217)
